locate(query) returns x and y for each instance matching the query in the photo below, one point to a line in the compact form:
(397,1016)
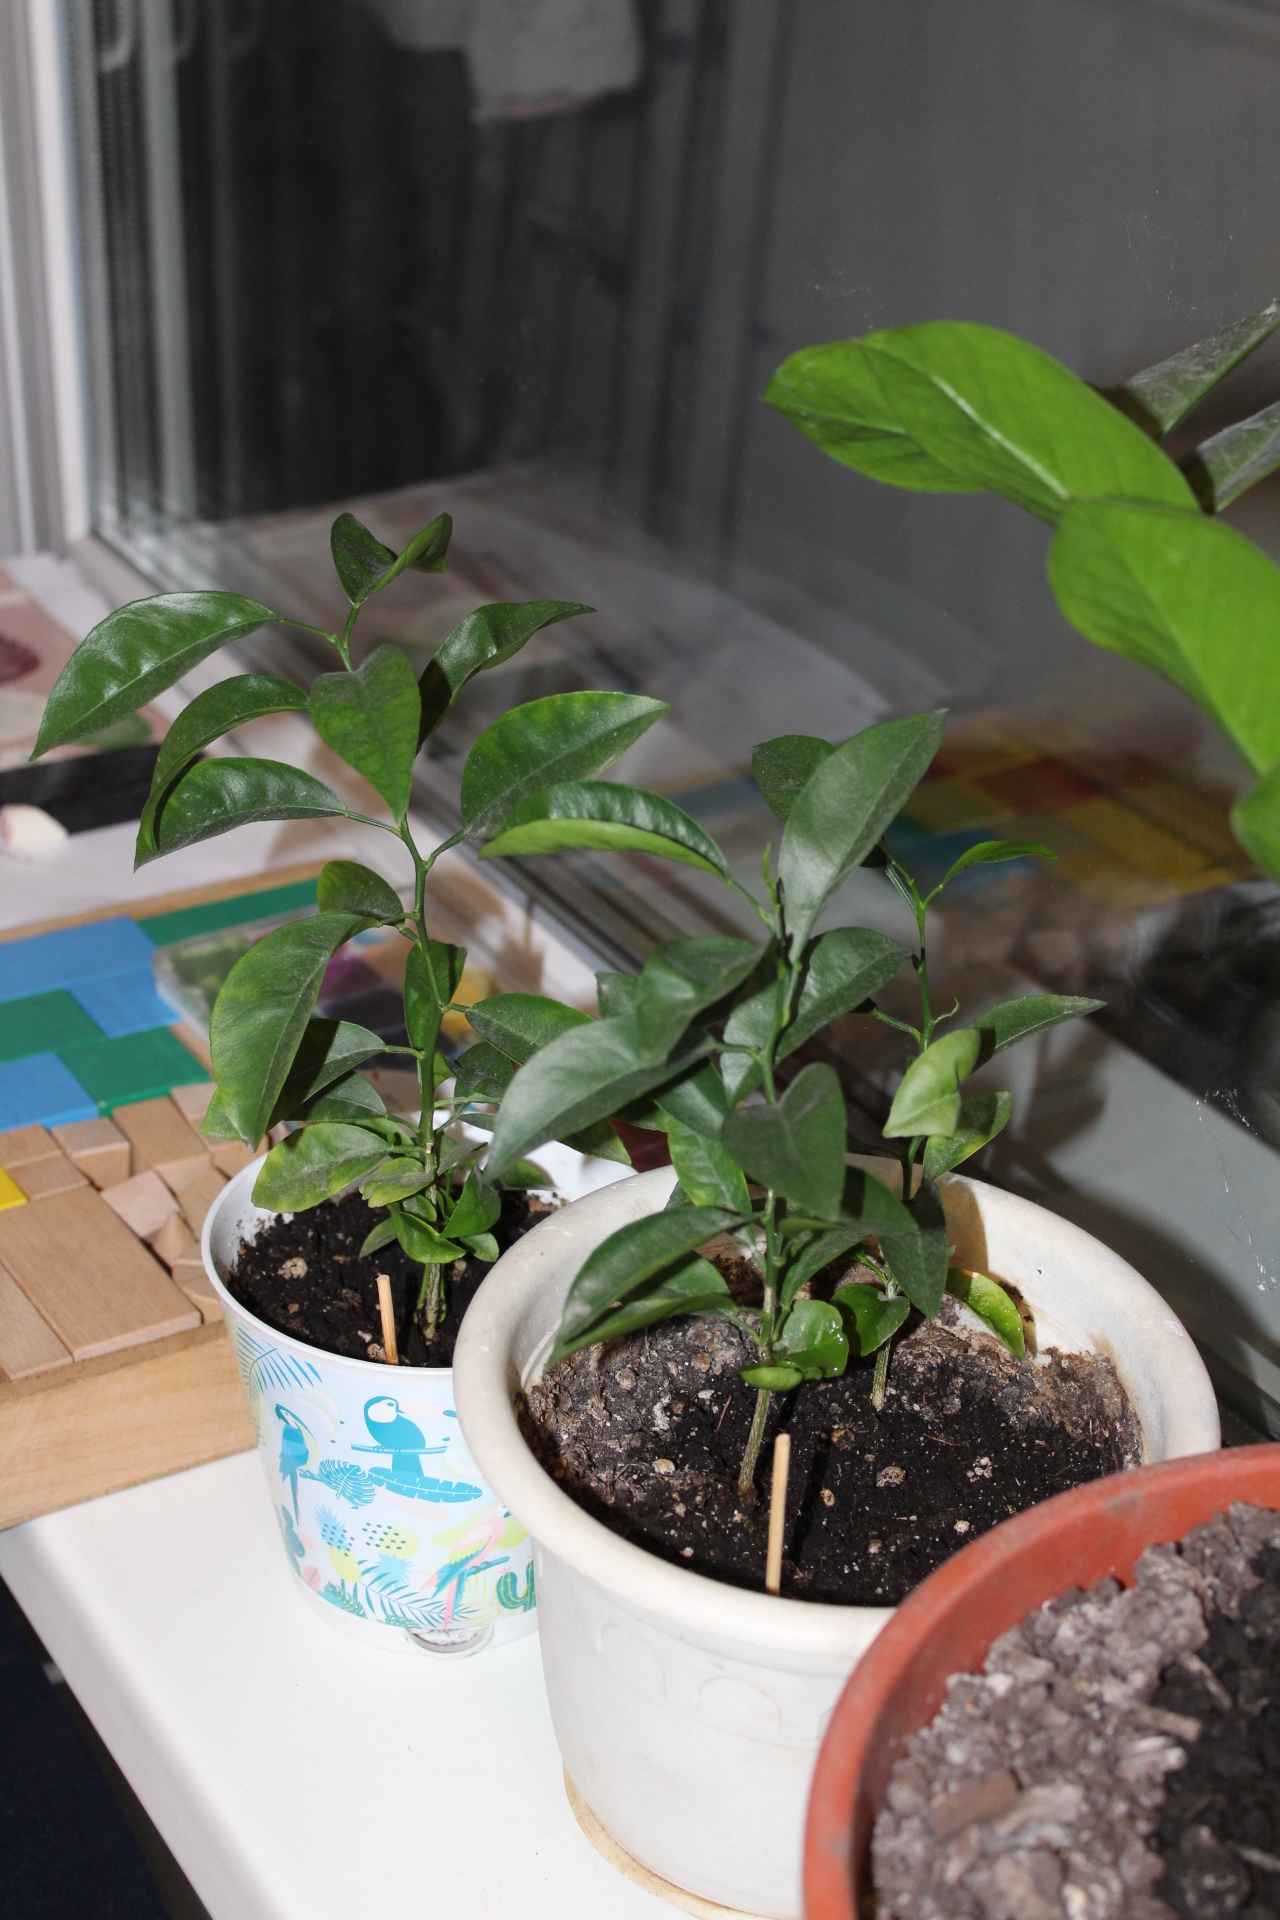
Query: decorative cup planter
(948,1624)
(393,1534)
(689,1713)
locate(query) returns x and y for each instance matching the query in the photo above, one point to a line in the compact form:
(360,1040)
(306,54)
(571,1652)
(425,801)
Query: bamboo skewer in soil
(388,1320)
(777,1513)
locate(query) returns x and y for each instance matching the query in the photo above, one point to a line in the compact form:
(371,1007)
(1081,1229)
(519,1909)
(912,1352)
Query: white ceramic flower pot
(392,1532)
(689,1713)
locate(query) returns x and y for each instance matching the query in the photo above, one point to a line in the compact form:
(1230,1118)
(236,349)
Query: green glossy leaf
(928,1097)
(566,736)
(327,1051)
(693,1287)
(1191,599)
(484,639)
(697,1100)
(682,978)
(599,1141)
(617,994)
(868,1202)
(377,1238)
(313,1164)
(842,969)
(396,1179)
(841,812)
(584,1075)
(138,651)
(431,979)
(482,1073)
(998,415)
(370,719)
(526,1176)
(918,1261)
(709,1175)
(772,1379)
(521,1024)
(781,767)
(476,1209)
(833,395)
(351,1100)
(1160,396)
(869,1319)
(365,566)
(261,1013)
(345,886)
(212,713)
(796,1146)
(422,1243)
(1008,1022)
(817,1255)
(217,1124)
(1229,463)
(214,796)
(359,557)
(609,818)
(982,1117)
(990,853)
(482,1246)
(988,1299)
(637,1253)
(813,1341)
(1255,821)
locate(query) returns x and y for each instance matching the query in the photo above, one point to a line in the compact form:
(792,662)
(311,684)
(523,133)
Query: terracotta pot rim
(855,1732)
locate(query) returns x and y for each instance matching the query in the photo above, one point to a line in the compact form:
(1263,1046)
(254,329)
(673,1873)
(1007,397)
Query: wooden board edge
(110,1427)
(57,1379)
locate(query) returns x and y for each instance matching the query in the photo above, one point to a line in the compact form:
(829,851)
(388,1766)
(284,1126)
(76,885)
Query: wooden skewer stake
(777,1513)
(388,1320)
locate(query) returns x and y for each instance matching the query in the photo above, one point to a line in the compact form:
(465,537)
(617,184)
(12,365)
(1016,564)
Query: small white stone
(294,1269)
(962,1526)
(891,1476)
(664,1466)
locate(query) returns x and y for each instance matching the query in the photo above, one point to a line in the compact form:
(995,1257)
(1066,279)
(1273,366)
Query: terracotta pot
(949,1622)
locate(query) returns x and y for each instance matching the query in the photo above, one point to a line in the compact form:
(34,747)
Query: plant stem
(747,1471)
(432,1299)
(880,1379)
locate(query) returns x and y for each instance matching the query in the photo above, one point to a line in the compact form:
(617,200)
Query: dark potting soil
(1117,1759)
(647,1434)
(303,1275)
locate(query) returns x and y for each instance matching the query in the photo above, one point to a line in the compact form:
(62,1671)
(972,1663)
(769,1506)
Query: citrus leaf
(138,651)
(482,1073)
(842,969)
(314,1163)
(1009,1021)
(781,767)
(261,1013)
(566,736)
(685,977)
(423,1244)
(484,639)
(928,1096)
(475,1211)
(214,796)
(869,1318)
(694,1287)
(634,1255)
(918,1261)
(365,566)
(707,1172)
(1186,596)
(813,1341)
(796,1145)
(990,853)
(370,719)
(395,1179)
(819,1254)
(844,807)
(229,704)
(610,818)
(769,1379)
(431,979)
(327,1051)
(988,1299)
(345,886)
(520,1024)
(982,1117)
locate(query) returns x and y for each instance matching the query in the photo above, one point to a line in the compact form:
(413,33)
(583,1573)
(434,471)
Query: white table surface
(291,1771)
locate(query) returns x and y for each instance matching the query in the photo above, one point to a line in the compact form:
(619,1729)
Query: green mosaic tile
(136,1066)
(240,910)
(42,1023)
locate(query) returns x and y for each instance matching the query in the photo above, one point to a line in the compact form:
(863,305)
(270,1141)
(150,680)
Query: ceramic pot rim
(232,1198)
(1018,1554)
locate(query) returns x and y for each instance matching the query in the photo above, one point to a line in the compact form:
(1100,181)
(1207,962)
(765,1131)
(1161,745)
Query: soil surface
(1117,1759)
(303,1275)
(647,1434)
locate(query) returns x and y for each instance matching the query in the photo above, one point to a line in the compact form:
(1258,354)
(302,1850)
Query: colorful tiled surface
(1125,833)
(82,1027)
